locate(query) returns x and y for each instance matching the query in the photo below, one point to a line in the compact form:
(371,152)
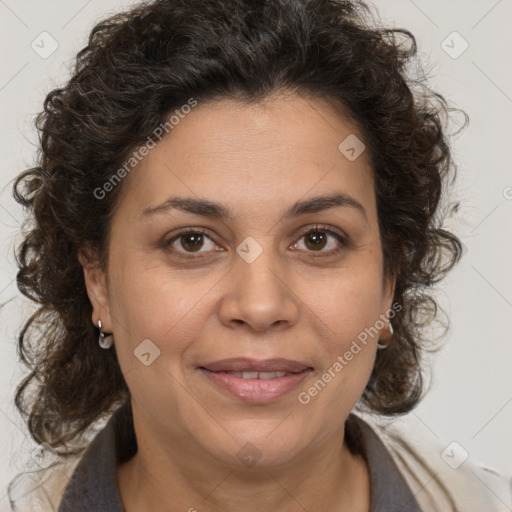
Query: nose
(260,294)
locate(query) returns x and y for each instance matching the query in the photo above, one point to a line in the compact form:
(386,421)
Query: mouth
(258,375)
(256,381)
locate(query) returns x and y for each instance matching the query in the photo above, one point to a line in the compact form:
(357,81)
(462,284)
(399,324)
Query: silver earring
(382,346)
(105,341)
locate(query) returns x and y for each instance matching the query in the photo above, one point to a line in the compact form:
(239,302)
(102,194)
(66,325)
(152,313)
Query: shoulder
(42,487)
(41,490)
(82,482)
(442,477)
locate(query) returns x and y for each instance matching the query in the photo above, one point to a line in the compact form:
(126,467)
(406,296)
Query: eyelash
(343,243)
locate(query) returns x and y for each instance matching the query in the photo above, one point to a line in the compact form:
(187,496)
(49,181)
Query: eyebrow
(211,209)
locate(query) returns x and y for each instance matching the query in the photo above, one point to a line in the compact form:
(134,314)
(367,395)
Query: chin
(268,450)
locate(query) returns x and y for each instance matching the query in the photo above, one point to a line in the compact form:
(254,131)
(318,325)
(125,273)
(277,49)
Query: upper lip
(244,364)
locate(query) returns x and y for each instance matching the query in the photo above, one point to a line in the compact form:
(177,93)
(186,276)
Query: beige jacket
(438,476)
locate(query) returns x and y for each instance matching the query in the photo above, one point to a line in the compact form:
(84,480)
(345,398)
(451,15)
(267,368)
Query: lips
(256,381)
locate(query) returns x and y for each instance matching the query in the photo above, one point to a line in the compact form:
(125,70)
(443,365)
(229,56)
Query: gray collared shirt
(93,485)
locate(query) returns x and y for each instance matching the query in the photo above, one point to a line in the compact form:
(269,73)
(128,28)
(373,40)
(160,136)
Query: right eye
(188,241)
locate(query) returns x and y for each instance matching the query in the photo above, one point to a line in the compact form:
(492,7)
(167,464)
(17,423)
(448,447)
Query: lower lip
(256,390)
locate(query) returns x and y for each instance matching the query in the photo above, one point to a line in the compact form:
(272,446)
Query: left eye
(317,239)
(193,240)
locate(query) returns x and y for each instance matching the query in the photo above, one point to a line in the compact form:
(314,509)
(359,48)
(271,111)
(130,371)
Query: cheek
(157,303)
(344,318)
(344,311)
(346,304)
(154,305)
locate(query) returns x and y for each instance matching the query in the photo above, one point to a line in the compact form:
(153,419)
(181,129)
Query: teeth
(249,375)
(270,375)
(258,375)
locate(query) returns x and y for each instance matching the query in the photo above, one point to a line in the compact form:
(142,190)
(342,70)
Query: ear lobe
(389,291)
(96,286)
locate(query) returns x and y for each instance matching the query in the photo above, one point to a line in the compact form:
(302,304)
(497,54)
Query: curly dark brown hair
(139,66)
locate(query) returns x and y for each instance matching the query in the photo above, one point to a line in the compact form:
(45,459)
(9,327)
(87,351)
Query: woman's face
(253,287)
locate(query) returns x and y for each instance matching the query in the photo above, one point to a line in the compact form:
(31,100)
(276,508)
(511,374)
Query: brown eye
(190,241)
(318,238)
(315,240)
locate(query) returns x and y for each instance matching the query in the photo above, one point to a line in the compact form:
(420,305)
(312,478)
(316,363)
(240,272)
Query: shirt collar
(93,484)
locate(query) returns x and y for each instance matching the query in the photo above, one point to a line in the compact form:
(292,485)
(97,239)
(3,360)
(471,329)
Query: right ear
(96,285)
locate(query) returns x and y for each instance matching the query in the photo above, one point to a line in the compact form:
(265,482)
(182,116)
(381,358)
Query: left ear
(388,293)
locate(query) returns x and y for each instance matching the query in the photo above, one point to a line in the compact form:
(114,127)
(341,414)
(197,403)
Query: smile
(256,387)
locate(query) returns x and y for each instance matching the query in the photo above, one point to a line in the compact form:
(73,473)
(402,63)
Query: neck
(331,478)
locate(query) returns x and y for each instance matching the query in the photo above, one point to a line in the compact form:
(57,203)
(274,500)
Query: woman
(237,219)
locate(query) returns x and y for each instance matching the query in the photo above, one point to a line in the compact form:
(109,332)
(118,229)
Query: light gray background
(470,400)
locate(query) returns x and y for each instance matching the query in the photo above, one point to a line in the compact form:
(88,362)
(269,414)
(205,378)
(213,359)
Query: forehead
(254,154)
